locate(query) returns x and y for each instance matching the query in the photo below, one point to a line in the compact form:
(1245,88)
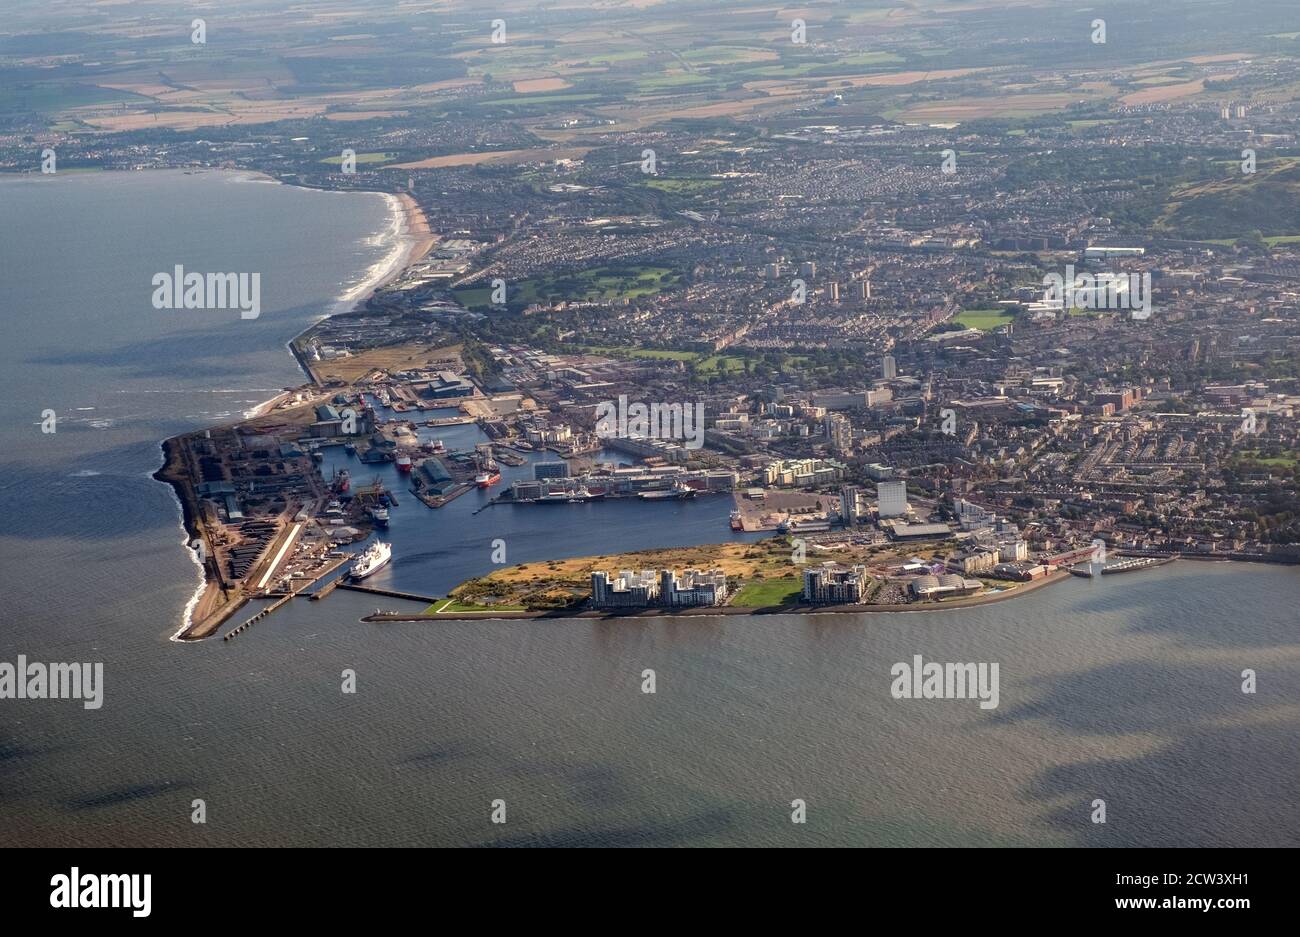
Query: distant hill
(1267,201)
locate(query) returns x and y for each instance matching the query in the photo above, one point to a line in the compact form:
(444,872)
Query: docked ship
(350,447)
(736,522)
(580,496)
(489,473)
(374,558)
(379,514)
(343,481)
(677,492)
(404,464)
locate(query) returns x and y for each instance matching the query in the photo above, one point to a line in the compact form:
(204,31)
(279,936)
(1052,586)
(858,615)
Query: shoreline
(205,611)
(414,240)
(1060,575)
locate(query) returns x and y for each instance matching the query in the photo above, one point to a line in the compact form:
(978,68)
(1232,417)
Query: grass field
(642,353)
(680,186)
(363,159)
(724,363)
(705,364)
(560,582)
(764,593)
(986,320)
(388,357)
(1291,460)
(1273,241)
(602,284)
(451,605)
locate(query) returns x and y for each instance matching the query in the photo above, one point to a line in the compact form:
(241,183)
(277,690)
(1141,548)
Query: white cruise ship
(372,560)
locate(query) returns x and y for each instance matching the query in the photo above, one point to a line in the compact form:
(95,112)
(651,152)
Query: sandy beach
(417,228)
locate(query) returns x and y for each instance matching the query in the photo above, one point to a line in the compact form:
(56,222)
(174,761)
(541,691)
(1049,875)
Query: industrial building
(934,587)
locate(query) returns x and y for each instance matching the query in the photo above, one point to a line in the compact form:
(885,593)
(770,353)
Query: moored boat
(371,560)
(677,492)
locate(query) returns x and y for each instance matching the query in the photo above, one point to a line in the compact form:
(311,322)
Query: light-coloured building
(803,473)
(849,505)
(839,432)
(1013,552)
(692,588)
(649,588)
(629,589)
(891,498)
(978,561)
(833,584)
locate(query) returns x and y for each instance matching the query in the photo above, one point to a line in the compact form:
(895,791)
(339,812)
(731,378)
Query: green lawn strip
(765,593)
(451,606)
(984,319)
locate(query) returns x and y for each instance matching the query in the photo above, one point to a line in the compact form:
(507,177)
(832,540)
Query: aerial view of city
(630,423)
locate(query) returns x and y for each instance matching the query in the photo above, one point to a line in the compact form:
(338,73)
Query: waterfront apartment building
(629,589)
(549,435)
(891,498)
(803,473)
(550,470)
(658,588)
(692,588)
(977,561)
(833,584)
